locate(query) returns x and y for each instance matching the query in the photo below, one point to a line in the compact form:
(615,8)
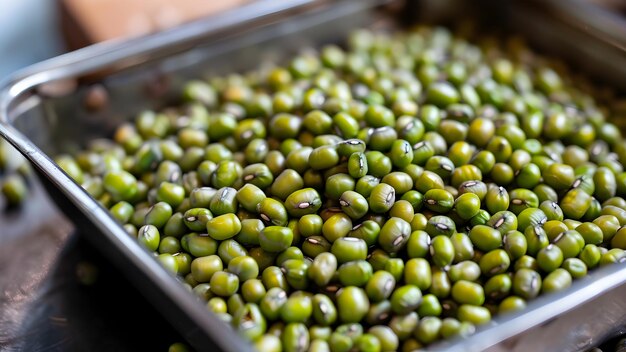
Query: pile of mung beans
(14,172)
(379,197)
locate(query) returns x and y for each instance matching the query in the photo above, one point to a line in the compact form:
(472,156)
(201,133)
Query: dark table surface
(58,294)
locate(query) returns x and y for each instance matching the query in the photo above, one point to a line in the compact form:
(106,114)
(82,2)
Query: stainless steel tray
(42,112)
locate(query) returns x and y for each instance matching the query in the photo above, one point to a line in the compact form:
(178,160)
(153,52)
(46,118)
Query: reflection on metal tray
(42,110)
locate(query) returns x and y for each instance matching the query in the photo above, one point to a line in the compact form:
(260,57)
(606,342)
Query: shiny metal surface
(145,73)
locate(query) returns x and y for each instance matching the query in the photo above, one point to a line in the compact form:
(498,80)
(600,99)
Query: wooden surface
(90,21)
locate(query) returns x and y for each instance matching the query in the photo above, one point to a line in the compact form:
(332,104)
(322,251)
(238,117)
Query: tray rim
(99,55)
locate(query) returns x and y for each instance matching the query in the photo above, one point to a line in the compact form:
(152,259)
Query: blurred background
(25,42)
(34,30)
